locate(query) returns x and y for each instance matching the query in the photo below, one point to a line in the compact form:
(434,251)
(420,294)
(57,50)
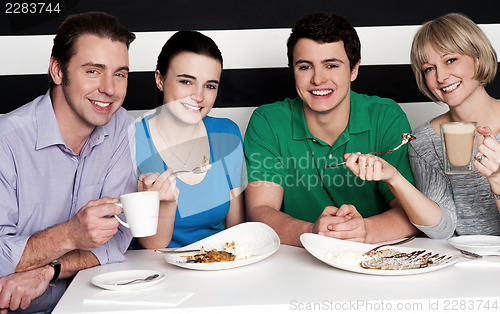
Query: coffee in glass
(458,140)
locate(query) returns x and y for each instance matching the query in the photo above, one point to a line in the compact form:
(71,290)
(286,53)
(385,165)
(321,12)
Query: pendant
(185,165)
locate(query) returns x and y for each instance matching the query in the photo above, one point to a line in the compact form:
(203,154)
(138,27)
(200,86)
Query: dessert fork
(148,278)
(196,170)
(475,255)
(399,242)
(405,138)
(173,251)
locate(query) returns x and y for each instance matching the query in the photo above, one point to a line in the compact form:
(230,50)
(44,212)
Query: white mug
(141,210)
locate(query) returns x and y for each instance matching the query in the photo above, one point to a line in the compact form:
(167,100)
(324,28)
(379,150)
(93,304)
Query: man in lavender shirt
(65,157)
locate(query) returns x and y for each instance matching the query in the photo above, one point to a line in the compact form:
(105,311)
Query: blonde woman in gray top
(452,60)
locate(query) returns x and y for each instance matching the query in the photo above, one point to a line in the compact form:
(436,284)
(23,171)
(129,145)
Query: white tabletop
(292,279)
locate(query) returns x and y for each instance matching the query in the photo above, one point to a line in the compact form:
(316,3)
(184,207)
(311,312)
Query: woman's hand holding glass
(164,183)
(487,160)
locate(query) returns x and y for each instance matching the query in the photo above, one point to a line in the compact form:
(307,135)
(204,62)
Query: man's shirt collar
(48,131)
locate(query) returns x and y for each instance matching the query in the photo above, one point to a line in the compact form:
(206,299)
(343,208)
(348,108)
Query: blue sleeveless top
(201,208)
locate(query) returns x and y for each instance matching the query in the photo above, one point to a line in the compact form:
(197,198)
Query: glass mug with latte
(458,140)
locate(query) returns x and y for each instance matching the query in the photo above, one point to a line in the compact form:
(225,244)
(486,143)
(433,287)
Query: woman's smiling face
(450,77)
(190,86)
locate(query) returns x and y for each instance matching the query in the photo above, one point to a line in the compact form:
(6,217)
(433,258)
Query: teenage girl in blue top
(179,135)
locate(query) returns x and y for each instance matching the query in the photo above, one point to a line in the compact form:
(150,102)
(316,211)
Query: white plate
(259,237)
(109,280)
(321,246)
(480,244)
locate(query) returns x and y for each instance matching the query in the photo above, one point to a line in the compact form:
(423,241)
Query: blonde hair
(453,33)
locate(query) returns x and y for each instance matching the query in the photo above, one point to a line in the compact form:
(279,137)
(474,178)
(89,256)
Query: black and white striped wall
(251,35)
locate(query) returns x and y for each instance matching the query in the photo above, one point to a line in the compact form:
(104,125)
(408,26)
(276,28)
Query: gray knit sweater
(466,201)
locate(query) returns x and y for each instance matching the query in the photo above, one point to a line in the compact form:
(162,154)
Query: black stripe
(239,88)
(161,15)
(20,89)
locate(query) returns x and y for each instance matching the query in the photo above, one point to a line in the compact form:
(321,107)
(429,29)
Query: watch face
(57,269)
(55,263)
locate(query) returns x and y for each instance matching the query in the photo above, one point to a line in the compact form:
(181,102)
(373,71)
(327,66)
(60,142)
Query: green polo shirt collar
(300,130)
(359,120)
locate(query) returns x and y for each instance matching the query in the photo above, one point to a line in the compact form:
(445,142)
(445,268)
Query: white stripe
(241,49)
(25,54)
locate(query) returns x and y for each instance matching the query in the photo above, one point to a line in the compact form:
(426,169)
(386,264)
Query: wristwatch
(57,269)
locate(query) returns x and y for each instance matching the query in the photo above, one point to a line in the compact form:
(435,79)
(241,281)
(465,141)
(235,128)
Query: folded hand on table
(342,223)
(18,290)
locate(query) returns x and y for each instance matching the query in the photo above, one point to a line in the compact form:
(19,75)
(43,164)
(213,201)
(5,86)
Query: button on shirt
(44,183)
(280,148)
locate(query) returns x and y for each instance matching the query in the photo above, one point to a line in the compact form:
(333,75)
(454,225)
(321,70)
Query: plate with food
(479,244)
(241,245)
(387,261)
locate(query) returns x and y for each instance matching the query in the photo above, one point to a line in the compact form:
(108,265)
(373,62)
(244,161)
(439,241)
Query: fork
(399,242)
(148,278)
(196,170)
(475,255)
(174,251)
(405,138)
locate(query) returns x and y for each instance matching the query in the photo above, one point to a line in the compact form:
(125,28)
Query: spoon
(148,278)
(405,138)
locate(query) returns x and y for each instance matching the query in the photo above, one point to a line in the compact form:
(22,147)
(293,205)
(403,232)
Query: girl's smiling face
(190,86)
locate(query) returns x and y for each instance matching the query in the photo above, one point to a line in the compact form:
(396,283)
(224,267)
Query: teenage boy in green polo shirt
(289,143)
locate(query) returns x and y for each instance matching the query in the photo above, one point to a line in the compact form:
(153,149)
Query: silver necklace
(183,162)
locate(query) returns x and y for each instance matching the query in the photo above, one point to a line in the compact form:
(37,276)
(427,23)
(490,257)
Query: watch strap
(56,264)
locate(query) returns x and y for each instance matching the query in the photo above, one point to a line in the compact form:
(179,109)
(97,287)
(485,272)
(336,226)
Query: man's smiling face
(96,79)
(323,74)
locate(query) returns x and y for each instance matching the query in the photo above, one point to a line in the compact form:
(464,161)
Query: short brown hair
(453,33)
(95,23)
(326,27)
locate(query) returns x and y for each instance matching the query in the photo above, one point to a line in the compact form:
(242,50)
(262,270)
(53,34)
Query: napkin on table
(488,261)
(140,297)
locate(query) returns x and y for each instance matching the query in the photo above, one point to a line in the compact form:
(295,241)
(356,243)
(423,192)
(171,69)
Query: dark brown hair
(184,41)
(95,23)
(326,27)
